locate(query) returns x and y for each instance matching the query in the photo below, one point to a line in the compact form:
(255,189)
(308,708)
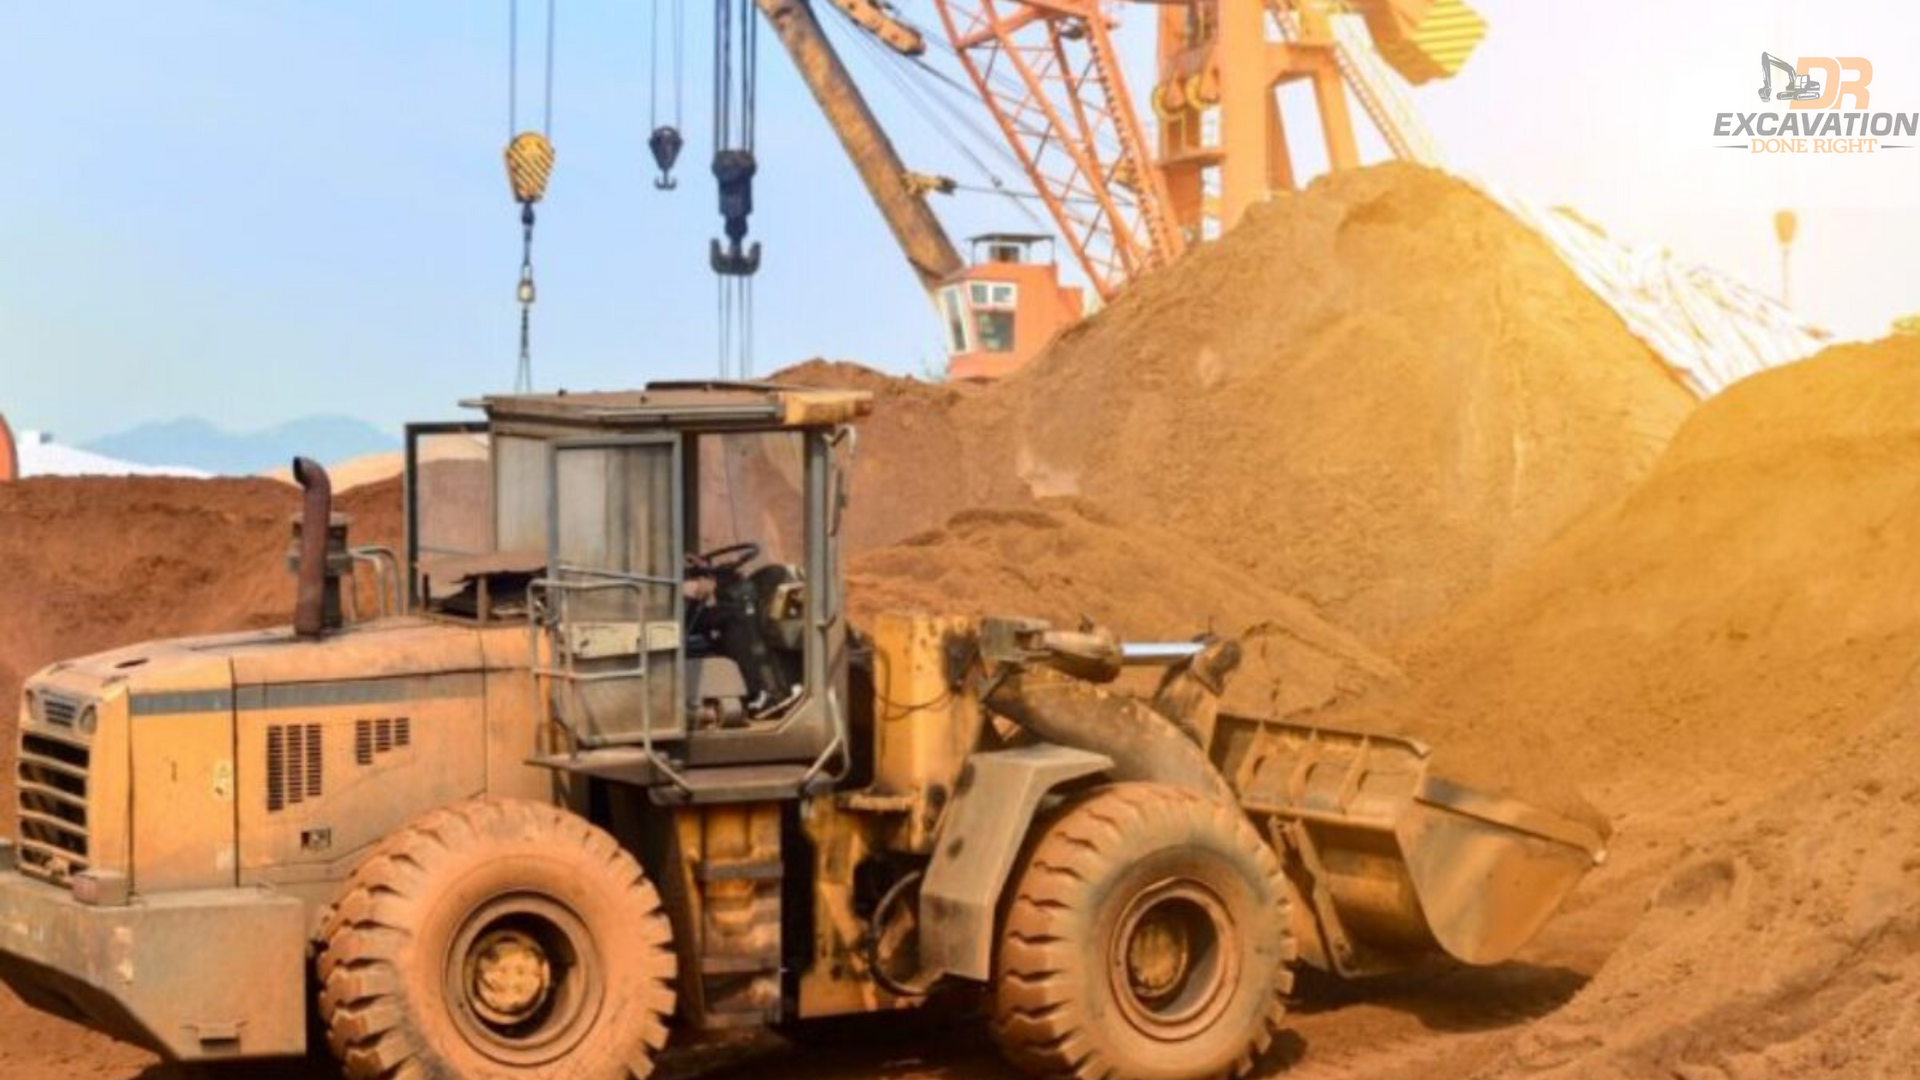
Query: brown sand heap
(917,461)
(1746,606)
(1063,561)
(1785,945)
(1376,393)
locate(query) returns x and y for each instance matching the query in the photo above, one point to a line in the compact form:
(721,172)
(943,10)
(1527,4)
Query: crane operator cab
(672,555)
(1005,307)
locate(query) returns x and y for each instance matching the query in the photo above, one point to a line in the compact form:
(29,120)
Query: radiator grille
(53,806)
(296,767)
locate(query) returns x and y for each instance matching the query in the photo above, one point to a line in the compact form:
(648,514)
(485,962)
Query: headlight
(88,720)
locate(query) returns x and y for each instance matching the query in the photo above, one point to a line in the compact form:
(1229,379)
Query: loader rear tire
(498,939)
(1147,939)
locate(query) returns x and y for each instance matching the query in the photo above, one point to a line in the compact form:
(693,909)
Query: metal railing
(550,605)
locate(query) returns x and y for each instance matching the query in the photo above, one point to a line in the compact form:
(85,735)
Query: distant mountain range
(197,444)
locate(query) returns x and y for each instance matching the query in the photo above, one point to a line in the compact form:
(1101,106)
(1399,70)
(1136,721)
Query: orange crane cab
(1002,310)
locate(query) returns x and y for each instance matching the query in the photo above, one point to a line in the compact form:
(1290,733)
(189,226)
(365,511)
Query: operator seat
(745,645)
(782,596)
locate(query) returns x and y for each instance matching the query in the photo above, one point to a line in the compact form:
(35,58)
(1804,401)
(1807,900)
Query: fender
(981,835)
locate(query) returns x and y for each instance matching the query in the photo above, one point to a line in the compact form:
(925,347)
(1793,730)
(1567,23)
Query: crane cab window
(995,330)
(953,309)
(979,316)
(994,294)
(993,312)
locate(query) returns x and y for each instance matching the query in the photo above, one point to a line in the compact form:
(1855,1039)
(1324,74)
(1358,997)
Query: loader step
(620,764)
(716,784)
(735,784)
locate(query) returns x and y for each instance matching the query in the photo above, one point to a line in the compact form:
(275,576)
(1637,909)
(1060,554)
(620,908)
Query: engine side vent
(296,769)
(384,735)
(58,710)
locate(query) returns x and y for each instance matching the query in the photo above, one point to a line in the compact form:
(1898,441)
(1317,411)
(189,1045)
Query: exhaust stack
(319,554)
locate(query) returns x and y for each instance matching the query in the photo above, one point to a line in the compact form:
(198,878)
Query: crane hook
(734,170)
(665,144)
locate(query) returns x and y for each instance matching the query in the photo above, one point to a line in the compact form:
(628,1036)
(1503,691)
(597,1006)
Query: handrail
(614,576)
(539,606)
(386,574)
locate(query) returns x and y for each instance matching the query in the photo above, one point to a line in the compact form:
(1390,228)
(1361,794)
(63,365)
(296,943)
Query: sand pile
(1749,603)
(1786,944)
(918,461)
(358,472)
(1062,560)
(1378,393)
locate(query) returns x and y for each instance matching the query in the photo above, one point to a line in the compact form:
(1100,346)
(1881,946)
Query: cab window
(953,310)
(995,330)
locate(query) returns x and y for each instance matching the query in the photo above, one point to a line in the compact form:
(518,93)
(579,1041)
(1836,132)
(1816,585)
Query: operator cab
(673,553)
(1006,306)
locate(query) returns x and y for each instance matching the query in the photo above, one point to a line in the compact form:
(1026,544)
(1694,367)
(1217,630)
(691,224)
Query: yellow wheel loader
(596,765)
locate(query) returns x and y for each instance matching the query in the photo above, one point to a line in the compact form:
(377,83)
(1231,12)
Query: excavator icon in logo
(1799,87)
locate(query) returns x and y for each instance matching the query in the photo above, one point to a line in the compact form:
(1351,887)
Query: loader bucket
(1391,863)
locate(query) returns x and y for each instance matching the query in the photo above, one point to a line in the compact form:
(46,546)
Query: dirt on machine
(594,766)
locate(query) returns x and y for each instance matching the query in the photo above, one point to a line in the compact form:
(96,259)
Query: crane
(1049,72)
(998,311)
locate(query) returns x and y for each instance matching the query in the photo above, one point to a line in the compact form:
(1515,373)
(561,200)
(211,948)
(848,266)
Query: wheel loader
(596,764)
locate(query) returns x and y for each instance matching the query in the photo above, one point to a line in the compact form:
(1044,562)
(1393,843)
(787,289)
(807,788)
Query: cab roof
(669,405)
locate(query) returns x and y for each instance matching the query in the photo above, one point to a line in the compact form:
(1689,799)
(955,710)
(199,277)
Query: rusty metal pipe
(309,607)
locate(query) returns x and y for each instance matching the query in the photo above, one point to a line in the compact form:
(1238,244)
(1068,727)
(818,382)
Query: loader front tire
(1147,939)
(498,939)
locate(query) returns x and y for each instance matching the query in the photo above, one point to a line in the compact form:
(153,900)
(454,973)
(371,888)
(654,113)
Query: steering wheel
(725,560)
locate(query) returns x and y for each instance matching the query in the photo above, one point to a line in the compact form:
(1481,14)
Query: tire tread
(1036,1018)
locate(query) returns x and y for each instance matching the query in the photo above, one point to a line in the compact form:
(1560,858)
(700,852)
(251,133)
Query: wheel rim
(1171,964)
(523,979)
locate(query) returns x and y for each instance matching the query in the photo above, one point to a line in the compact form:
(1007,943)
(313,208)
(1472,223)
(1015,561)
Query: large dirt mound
(1747,604)
(1063,561)
(1727,660)
(1377,393)
(1785,945)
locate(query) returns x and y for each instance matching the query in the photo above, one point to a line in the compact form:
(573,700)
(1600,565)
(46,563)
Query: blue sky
(256,211)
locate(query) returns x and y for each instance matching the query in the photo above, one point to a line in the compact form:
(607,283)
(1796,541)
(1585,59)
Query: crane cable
(892,67)
(529,158)
(666,140)
(735,67)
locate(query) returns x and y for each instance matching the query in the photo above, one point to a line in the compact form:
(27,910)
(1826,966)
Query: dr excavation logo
(1815,123)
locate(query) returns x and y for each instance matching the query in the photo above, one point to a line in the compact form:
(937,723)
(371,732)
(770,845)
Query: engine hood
(384,649)
(191,730)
